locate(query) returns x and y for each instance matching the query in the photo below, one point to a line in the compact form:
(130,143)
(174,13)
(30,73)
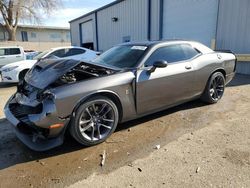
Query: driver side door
(165,86)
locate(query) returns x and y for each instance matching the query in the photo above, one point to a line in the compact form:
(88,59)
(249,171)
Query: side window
(173,53)
(58,53)
(10,51)
(74,51)
(14,51)
(170,54)
(189,51)
(2,52)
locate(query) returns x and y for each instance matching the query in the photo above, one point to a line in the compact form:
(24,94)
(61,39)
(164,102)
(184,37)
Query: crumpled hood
(46,71)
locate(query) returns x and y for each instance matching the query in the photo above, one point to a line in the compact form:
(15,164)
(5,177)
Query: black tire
(22,75)
(214,89)
(102,120)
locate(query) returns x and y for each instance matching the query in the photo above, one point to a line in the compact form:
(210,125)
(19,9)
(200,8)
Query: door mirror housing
(158,64)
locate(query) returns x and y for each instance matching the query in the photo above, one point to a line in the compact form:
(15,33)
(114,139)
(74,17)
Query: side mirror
(158,64)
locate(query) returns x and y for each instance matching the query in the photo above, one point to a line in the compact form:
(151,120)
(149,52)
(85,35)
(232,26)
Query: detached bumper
(33,136)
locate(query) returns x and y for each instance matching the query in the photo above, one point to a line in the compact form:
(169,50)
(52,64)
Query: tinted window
(58,53)
(189,51)
(121,56)
(10,51)
(72,51)
(171,54)
(14,51)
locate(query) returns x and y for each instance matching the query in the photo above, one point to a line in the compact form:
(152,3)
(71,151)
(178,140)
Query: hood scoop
(47,71)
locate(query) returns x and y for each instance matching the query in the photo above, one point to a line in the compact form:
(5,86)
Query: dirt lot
(201,146)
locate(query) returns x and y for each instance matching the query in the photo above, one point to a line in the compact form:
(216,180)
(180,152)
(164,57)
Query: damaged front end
(32,109)
(34,119)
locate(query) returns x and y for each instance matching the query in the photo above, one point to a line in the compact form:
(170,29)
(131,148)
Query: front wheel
(214,89)
(95,121)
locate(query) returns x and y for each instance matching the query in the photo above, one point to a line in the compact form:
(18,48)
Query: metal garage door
(87,32)
(190,19)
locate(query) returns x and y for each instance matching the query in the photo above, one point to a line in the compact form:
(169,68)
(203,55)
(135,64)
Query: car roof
(152,43)
(202,48)
(66,47)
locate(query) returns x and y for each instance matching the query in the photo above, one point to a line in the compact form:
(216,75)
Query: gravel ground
(201,146)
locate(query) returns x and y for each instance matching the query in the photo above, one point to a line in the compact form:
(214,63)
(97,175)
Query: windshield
(40,55)
(121,56)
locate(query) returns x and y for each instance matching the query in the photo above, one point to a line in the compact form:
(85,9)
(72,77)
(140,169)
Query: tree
(14,11)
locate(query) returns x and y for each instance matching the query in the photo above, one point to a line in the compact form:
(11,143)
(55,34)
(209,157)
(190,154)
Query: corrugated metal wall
(233,32)
(190,19)
(155,20)
(132,23)
(234,26)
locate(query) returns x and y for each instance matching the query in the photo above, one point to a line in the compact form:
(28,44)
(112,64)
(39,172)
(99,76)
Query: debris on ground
(103,158)
(198,169)
(140,170)
(42,163)
(129,130)
(128,153)
(130,165)
(85,159)
(157,147)
(56,180)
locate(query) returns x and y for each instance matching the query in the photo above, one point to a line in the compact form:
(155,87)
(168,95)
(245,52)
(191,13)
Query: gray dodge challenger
(130,80)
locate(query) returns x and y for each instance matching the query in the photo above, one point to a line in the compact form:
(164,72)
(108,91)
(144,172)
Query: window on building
(24,36)
(68,36)
(173,53)
(33,35)
(55,35)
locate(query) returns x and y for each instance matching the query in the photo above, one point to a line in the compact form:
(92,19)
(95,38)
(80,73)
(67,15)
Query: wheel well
(109,95)
(23,72)
(221,71)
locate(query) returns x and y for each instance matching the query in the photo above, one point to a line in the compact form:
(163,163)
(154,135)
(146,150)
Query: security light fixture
(114,19)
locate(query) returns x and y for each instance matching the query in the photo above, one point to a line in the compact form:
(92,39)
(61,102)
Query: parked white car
(14,72)
(11,54)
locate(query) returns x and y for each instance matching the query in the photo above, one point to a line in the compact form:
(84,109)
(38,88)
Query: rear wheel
(95,121)
(214,89)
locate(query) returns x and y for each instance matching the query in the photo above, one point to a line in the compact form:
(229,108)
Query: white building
(39,34)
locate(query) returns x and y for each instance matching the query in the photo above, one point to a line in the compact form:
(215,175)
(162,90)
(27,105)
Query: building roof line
(96,10)
(43,27)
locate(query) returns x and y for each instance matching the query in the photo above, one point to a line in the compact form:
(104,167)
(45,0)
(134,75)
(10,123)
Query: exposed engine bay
(82,72)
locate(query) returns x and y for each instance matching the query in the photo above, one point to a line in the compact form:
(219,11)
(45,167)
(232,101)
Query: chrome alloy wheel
(96,121)
(217,88)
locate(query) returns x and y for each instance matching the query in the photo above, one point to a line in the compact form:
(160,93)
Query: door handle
(188,67)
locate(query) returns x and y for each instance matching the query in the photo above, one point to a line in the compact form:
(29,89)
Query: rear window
(73,51)
(10,51)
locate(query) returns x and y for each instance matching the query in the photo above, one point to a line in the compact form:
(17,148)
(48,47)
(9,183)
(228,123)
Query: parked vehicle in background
(16,71)
(30,54)
(11,54)
(126,82)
